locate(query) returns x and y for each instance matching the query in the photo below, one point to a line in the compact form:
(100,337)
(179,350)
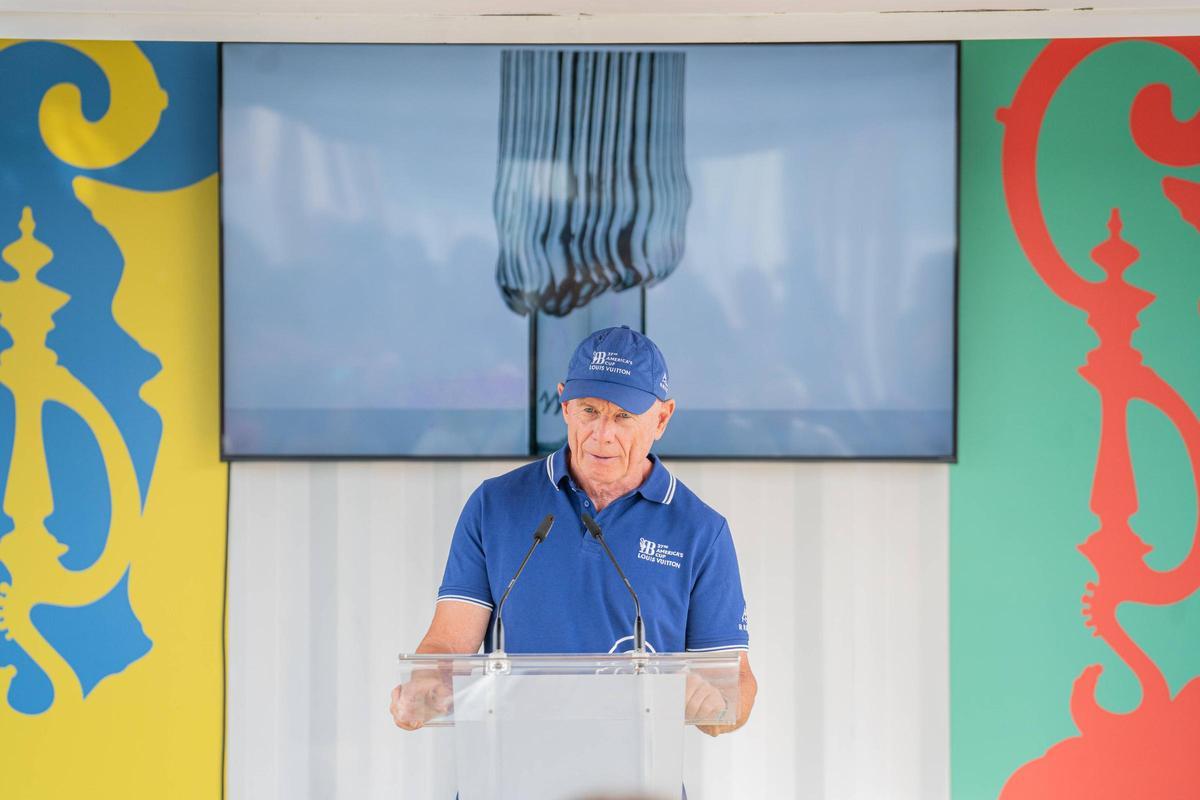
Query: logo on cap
(610,362)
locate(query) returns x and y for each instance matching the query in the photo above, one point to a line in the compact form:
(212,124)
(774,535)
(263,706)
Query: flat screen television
(415,237)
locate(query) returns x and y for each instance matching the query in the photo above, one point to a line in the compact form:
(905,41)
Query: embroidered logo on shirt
(628,641)
(659,553)
(745,623)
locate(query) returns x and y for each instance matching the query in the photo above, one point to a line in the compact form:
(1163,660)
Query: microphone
(539,536)
(639,627)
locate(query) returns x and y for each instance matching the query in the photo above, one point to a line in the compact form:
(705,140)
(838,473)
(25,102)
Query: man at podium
(677,552)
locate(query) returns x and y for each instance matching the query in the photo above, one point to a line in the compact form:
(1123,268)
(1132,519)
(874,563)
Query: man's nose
(604,429)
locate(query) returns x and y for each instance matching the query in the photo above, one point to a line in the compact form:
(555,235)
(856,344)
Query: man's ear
(562,403)
(665,410)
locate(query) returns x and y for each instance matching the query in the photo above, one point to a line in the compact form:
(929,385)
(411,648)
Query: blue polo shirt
(677,552)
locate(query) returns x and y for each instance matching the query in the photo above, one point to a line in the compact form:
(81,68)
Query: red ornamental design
(1154,750)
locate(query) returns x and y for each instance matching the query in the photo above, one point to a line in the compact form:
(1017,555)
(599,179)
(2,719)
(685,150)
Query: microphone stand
(639,625)
(539,536)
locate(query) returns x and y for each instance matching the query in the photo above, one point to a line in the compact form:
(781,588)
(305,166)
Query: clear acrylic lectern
(570,727)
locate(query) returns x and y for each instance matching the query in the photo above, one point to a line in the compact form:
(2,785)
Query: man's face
(609,444)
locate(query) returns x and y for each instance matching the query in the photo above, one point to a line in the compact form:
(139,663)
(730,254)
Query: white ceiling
(594,20)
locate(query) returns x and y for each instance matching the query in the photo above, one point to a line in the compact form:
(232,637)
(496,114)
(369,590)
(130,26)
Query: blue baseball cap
(621,366)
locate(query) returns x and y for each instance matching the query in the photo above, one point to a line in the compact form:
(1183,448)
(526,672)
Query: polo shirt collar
(556,467)
(659,485)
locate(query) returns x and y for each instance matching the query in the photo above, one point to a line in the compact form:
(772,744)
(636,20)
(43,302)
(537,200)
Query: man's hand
(425,696)
(457,627)
(703,697)
(703,701)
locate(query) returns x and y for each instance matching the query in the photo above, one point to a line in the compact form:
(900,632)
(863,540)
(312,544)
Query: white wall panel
(334,566)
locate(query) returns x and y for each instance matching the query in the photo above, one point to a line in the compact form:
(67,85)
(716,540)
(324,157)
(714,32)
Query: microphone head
(591,525)
(543,529)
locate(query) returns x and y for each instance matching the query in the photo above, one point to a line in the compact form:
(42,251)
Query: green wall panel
(1029,425)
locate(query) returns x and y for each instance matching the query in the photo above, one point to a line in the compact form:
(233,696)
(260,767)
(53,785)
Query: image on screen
(415,237)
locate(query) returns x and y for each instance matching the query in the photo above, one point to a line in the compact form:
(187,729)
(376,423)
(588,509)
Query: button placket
(589,545)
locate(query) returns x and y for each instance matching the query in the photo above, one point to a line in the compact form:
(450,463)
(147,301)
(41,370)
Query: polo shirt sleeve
(717,608)
(466,578)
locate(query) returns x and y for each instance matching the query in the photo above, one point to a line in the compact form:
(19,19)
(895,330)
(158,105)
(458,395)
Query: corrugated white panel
(333,570)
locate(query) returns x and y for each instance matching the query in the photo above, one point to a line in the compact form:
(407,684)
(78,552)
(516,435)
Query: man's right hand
(457,627)
(426,695)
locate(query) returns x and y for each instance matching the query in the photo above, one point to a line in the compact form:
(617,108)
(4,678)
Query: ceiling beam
(262,20)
